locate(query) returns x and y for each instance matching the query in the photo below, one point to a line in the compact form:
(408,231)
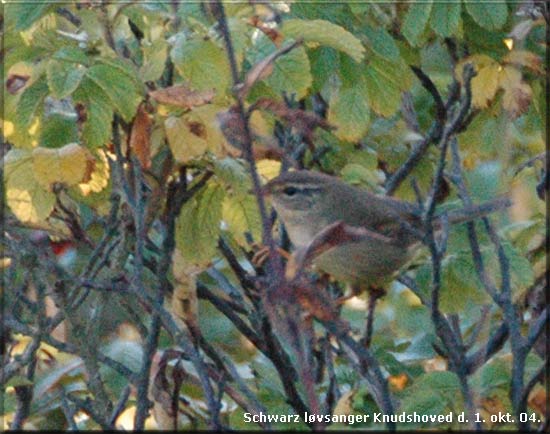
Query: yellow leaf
(259,124)
(411,298)
(195,133)
(517,93)
(70,165)
(344,406)
(268,169)
(184,144)
(480,61)
(485,85)
(24,195)
(8,129)
(99,178)
(241,215)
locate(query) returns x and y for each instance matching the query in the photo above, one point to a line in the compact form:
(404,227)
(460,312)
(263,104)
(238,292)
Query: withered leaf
(182,95)
(303,122)
(263,68)
(517,93)
(140,137)
(232,127)
(15,82)
(272,33)
(197,129)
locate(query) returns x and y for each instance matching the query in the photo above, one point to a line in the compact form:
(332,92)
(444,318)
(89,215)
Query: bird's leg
(261,255)
(374,294)
(355,290)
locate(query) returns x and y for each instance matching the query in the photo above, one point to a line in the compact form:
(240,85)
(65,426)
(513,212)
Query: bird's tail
(473,212)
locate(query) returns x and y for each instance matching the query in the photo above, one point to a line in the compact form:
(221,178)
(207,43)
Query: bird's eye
(290,191)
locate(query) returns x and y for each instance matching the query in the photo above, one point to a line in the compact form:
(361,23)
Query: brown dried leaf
(538,399)
(517,93)
(15,82)
(263,68)
(313,300)
(524,58)
(490,406)
(185,304)
(302,122)
(182,96)
(140,137)
(232,127)
(272,33)
(161,392)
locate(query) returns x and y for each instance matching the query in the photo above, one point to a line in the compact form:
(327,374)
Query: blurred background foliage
(162,72)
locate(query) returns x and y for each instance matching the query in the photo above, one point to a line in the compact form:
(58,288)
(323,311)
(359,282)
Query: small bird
(308,202)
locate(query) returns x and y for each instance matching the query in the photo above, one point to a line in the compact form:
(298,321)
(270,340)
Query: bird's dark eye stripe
(290,191)
(304,190)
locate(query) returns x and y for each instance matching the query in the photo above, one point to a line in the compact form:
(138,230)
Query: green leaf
(484,136)
(240,31)
(18,380)
(445,19)
(325,33)
(433,393)
(118,86)
(382,43)
(26,13)
(443,383)
(349,112)
(291,74)
(241,214)
(461,286)
(324,62)
(398,73)
(521,270)
(63,77)
(424,403)
(123,67)
(493,375)
(99,113)
(203,63)
(198,225)
(233,174)
(58,130)
(383,89)
(358,174)
(488,14)
(416,20)
(73,55)
(154,60)
(30,101)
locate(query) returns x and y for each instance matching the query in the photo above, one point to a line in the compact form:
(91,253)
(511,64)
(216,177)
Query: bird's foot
(374,294)
(262,253)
